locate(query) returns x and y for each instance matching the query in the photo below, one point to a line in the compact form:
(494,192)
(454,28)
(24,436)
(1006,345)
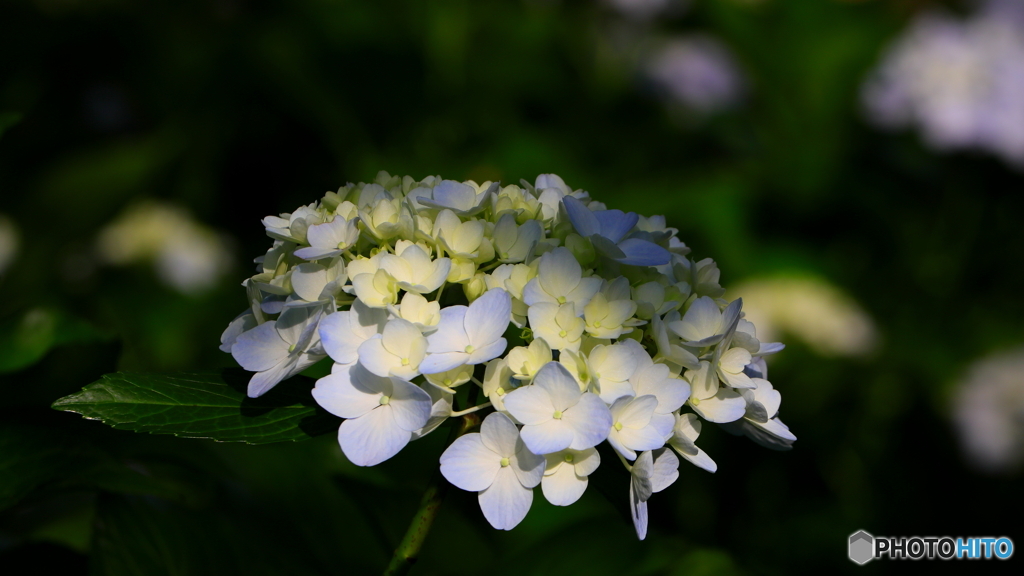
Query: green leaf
(204,405)
(26,339)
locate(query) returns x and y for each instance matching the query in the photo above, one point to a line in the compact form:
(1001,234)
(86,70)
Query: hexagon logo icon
(861,547)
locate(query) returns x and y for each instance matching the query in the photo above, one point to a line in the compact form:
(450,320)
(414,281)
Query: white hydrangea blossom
(580,325)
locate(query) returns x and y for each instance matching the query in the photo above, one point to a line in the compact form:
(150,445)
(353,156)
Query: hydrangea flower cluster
(579,325)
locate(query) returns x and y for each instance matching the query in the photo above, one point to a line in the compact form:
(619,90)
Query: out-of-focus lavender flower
(960,81)
(696,71)
(988,410)
(644,9)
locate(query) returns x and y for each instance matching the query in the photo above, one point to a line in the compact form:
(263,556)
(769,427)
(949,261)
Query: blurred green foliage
(238,109)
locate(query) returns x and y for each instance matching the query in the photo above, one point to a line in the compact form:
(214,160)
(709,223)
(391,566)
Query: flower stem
(408,550)
(471,410)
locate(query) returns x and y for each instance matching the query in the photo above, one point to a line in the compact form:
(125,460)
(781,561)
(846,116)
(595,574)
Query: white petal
(547,437)
(587,461)
(341,333)
(344,396)
(666,469)
(700,460)
(529,467)
(309,280)
(314,253)
(260,349)
(638,509)
(294,322)
(560,385)
(455,195)
(702,320)
(500,435)
(584,292)
(559,272)
(640,476)
(530,405)
(725,406)
(470,465)
(442,362)
(411,405)
(261,382)
(625,451)
(401,337)
(242,323)
(375,358)
(506,502)
(635,412)
(590,419)
(563,487)
(451,331)
(488,352)
(533,294)
(772,434)
(663,423)
(670,392)
(373,437)
(646,438)
(687,428)
(488,317)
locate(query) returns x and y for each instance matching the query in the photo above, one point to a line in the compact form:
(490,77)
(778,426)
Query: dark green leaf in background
(26,339)
(202,405)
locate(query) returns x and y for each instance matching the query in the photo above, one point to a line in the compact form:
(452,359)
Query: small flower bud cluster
(414,288)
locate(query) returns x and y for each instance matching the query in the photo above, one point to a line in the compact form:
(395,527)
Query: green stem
(408,550)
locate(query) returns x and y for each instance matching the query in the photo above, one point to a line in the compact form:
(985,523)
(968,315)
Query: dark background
(236,109)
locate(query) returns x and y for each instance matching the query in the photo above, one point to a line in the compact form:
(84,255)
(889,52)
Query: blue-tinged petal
(615,223)
(583,220)
(643,253)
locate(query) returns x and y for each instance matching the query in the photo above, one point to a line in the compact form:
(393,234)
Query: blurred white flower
(188,256)
(9,241)
(960,80)
(988,409)
(643,9)
(696,71)
(828,320)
